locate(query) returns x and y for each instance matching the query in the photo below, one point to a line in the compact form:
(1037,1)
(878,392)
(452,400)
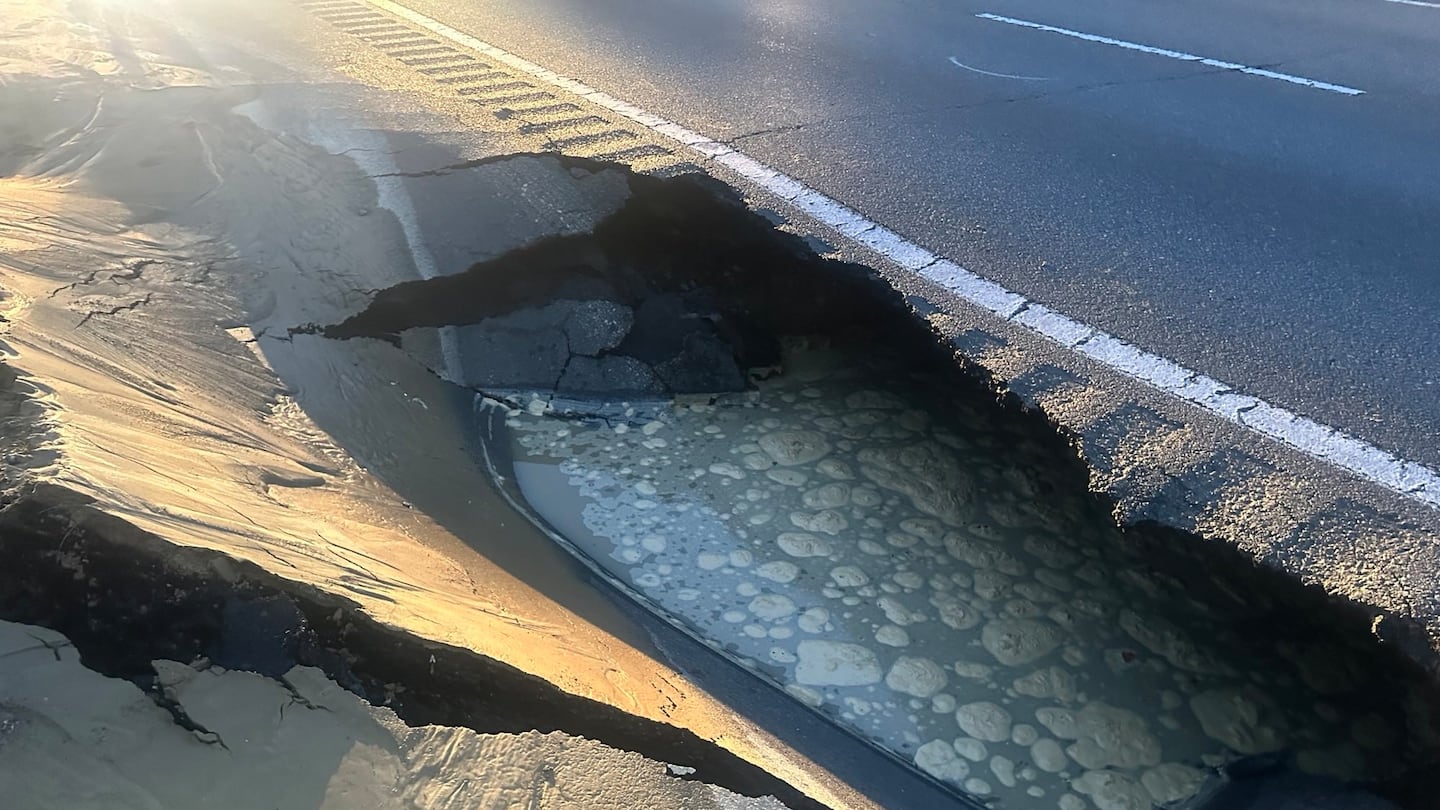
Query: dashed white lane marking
(1185,57)
(1411,480)
(1414,3)
(959,64)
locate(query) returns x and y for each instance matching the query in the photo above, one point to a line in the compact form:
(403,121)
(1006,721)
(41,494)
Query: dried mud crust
(126,598)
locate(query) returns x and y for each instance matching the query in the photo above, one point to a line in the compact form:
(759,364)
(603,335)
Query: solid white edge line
(1414,3)
(1410,480)
(1181,55)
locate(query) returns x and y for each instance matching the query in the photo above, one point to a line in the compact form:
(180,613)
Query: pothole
(775,453)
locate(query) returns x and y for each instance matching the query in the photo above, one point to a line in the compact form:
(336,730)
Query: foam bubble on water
(943,703)
(1238,718)
(1172,782)
(836,663)
(984,720)
(803,545)
(1048,756)
(787,478)
(977,787)
(1072,802)
(939,759)
(849,576)
(908,580)
(734,616)
(901,540)
(923,528)
(874,549)
(771,606)
(813,620)
(727,470)
(1112,791)
(1105,736)
(741,558)
(711,560)
(1003,769)
(865,498)
(1052,683)
(835,468)
(972,670)
(794,447)
(653,543)
(892,636)
(1169,642)
(826,521)
(747,589)
(1014,642)
(778,571)
(757,462)
(1024,734)
(827,496)
(971,749)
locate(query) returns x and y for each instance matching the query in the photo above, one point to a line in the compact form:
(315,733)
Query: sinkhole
(775,452)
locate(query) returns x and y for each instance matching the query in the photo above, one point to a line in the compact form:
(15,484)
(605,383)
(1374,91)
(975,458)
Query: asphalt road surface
(1277,229)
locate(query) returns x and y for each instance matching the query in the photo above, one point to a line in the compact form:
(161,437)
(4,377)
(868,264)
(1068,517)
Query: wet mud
(776,453)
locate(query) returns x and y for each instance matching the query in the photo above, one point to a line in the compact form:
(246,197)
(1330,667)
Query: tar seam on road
(1411,480)
(1182,56)
(959,64)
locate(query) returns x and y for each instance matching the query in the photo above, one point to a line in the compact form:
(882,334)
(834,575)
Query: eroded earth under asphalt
(777,454)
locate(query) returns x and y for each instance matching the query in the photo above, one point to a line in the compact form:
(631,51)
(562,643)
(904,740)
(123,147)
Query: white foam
(813,620)
(794,447)
(1048,756)
(1024,734)
(778,571)
(827,496)
(827,521)
(836,663)
(984,720)
(711,560)
(1235,717)
(892,636)
(848,576)
(799,544)
(1112,791)
(771,606)
(971,749)
(1052,683)
(1014,642)
(1004,770)
(788,478)
(939,760)
(1105,736)
(1172,782)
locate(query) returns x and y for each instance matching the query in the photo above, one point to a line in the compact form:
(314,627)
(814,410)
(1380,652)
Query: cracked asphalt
(1274,236)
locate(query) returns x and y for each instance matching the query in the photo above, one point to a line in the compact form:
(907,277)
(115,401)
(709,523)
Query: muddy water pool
(907,565)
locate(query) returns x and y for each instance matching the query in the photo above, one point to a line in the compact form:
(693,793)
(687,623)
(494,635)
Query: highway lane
(1278,237)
